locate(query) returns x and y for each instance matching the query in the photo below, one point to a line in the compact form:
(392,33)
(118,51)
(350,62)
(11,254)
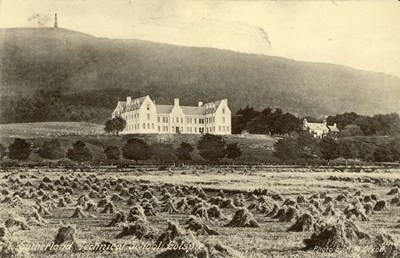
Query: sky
(359,34)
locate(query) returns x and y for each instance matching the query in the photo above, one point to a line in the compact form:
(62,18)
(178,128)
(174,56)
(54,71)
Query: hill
(61,75)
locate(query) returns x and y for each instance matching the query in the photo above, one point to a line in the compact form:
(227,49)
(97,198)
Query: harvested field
(115,213)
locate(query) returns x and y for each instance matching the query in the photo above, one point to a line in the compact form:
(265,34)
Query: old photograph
(199,128)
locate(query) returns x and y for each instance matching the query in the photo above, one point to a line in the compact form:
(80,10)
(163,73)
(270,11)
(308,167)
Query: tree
(382,154)
(347,150)
(3,151)
(19,149)
(285,149)
(307,146)
(79,152)
(212,147)
(183,152)
(136,149)
(329,148)
(112,153)
(115,125)
(351,130)
(51,150)
(164,153)
(233,151)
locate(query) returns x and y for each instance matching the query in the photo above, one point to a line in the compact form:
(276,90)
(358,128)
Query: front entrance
(177,130)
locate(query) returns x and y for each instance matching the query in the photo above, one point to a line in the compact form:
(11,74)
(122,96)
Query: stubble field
(213,195)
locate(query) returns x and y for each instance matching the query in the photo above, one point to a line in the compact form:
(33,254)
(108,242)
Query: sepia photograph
(199,128)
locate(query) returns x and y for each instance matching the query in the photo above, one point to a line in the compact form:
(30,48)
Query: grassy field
(271,239)
(255,148)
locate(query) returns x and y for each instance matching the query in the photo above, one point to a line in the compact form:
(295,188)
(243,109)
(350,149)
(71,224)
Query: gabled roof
(188,110)
(333,128)
(164,109)
(317,126)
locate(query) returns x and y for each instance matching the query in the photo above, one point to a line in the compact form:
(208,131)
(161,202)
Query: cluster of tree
(266,121)
(211,147)
(305,147)
(352,124)
(20,149)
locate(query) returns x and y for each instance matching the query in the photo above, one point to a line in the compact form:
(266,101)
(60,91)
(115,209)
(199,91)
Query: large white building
(143,116)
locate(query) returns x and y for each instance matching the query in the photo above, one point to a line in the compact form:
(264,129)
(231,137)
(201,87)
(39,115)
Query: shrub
(136,149)
(3,151)
(212,147)
(51,150)
(233,151)
(112,153)
(329,148)
(19,149)
(183,152)
(79,152)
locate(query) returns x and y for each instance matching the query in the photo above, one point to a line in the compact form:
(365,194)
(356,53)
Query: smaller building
(320,130)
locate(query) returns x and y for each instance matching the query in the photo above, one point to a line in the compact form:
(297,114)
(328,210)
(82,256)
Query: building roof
(164,109)
(187,110)
(333,128)
(317,126)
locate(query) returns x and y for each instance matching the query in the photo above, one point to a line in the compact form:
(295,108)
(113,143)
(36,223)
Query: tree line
(277,122)
(305,148)
(212,148)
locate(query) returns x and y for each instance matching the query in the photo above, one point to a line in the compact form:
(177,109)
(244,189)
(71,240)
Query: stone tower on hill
(55,21)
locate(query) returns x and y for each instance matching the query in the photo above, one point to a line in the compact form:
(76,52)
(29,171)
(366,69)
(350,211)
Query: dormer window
(148,107)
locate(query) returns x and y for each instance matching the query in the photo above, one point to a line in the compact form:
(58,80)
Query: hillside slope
(60,75)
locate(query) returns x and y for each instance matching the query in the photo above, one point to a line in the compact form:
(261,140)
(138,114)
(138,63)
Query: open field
(270,239)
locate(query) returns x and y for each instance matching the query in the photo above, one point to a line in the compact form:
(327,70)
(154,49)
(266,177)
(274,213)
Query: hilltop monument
(55,21)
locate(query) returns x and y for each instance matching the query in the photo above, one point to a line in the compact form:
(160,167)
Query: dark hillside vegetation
(63,75)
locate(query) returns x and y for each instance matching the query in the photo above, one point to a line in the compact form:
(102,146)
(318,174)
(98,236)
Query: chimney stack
(200,103)
(128,100)
(176,102)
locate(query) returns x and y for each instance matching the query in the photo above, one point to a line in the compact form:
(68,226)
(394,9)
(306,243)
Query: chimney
(128,100)
(304,121)
(200,103)
(176,102)
(334,125)
(324,122)
(154,102)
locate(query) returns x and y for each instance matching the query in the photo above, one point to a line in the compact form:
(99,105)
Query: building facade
(143,116)
(320,130)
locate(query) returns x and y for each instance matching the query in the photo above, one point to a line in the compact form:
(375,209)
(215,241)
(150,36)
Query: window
(148,116)
(159,128)
(227,128)
(172,129)
(219,128)
(152,126)
(173,119)
(195,120)
(166,120)
(148,107)
(148,125)
(223,120)
(214,119)
(159,120)
(181,120)
(144,126)
(195,129)
(223,111)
